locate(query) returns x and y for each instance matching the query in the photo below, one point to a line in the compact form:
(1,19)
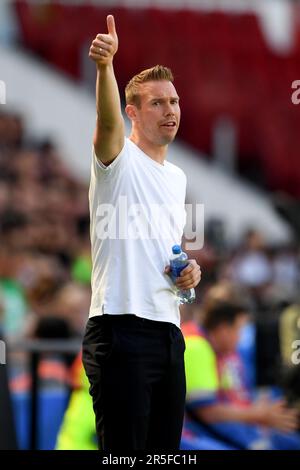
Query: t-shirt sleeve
(99,168)
(201,373)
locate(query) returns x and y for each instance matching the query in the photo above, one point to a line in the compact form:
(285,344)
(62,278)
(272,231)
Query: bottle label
(178,267)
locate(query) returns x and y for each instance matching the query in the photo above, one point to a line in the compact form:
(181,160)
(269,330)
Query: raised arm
(109,132)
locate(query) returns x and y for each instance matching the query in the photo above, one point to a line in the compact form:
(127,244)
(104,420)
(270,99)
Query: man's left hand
(189,276)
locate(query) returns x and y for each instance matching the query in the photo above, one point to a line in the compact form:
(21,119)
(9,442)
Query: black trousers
(137,381)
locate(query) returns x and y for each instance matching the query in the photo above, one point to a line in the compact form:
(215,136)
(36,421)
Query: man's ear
(130,110)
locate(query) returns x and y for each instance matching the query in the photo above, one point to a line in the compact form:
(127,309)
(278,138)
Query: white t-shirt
(137,214)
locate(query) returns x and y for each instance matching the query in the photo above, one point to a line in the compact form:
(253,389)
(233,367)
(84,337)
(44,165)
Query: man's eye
(155,103)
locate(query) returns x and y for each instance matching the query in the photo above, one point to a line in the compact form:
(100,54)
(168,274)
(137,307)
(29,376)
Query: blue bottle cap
(176,249)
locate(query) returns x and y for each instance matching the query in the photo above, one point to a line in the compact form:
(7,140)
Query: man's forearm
(108,105)
(224,413)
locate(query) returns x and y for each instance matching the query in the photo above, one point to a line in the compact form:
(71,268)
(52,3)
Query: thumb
(167,269)
(111,25)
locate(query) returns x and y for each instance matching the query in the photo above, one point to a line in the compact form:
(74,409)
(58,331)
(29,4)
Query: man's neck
(157,153)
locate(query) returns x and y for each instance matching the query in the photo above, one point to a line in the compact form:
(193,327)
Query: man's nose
(169,110)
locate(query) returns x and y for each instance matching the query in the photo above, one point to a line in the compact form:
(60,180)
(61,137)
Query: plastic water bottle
(178,262)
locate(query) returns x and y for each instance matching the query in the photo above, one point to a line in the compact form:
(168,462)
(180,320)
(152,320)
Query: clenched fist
(104,46)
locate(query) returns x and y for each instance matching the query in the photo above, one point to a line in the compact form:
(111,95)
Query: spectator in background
(42,245)
(1,313)
(289,336)
(81,268)
(251,267)
(14,304)
(57,311)
(72,303)
(286,271)
(289,333)
(77,431)
(54,367)
(218,402)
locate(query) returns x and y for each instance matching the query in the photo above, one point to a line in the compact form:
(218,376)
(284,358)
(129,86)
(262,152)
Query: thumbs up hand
(104,46)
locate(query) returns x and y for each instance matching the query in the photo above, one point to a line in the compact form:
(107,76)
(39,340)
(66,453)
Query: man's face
(157,119)
(226,336)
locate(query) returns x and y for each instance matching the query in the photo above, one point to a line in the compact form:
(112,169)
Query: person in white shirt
(133,348)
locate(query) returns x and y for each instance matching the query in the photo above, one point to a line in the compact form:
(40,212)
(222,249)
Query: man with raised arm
(133,348)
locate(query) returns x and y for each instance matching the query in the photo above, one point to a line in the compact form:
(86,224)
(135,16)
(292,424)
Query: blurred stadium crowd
(44,232)
(45,270)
